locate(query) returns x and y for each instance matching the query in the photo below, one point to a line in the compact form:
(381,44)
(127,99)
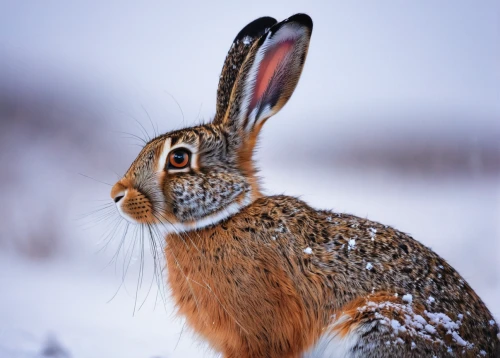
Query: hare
(269,276)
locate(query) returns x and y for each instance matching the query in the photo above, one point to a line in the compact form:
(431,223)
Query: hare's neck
(217,217)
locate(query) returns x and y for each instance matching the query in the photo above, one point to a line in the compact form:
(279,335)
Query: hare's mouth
(134,206)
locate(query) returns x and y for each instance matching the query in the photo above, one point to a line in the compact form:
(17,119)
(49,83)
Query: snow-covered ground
(46,302)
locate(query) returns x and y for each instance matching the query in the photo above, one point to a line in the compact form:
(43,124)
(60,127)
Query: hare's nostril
(118,198)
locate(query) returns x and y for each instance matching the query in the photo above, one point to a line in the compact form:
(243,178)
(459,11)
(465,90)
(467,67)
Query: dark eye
(178,159)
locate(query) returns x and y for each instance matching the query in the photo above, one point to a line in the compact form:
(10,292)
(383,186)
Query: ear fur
(237,54)
(269,74)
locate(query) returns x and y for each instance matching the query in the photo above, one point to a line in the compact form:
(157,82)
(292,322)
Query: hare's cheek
(200,196)
(185,196)
(136,207)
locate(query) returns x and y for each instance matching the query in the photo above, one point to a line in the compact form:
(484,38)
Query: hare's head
(195,177)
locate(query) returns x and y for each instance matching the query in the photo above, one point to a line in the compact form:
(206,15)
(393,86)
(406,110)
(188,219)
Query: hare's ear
(269,74)
(237,54)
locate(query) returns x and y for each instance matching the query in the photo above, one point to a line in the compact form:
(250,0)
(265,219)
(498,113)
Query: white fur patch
(164,154)
(332,345)
(209,220)
(120,210)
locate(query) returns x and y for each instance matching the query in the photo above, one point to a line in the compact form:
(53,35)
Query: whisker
(141,268)
(98,210)
(143,130)
(122,241)
(180,335)
(181,270)
(108,234)
(178,105)
(206,286)
(199,111)
(150,120)
(133,136)
(99,181)
(116,261)
(155,266)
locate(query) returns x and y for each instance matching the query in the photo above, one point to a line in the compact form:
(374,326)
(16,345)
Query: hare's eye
(178,159)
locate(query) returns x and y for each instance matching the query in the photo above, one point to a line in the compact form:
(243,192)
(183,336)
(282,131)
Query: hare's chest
(229,292)
(208,285)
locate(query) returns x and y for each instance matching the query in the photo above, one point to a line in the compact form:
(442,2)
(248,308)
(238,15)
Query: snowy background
(396,118)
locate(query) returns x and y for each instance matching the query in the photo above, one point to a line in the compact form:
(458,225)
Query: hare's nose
(118,197)
(118,192)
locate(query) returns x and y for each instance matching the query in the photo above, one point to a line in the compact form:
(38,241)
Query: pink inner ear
(267,67)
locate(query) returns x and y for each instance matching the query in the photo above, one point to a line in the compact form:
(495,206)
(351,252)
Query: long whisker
(140,276)
(99,181)
(115,258)
(109,234)
(178,105)
(206,286)
(143,130)
(117,253)
(157,273)
(179,266)
(133,136)
(98,216)
(150,120)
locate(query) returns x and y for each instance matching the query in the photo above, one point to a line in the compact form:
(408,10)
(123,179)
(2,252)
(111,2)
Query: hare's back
(388,290)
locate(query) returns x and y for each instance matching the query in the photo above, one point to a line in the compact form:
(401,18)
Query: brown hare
(269,276)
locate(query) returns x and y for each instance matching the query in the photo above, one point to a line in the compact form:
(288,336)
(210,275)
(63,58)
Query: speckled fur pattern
(270,276)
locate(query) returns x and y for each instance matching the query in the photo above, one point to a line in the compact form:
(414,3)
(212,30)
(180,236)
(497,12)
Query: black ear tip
(302,19)
(256,28)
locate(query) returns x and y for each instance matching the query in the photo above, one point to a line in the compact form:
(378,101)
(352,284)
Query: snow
(407,298)
(308,251)
(418,318)
(247,40)
(458,339)
(351,245)
(395,325)
(369,266)
(443,320)
(431,300)
(415,324)
(430,328)
(281,228)
(372,231)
